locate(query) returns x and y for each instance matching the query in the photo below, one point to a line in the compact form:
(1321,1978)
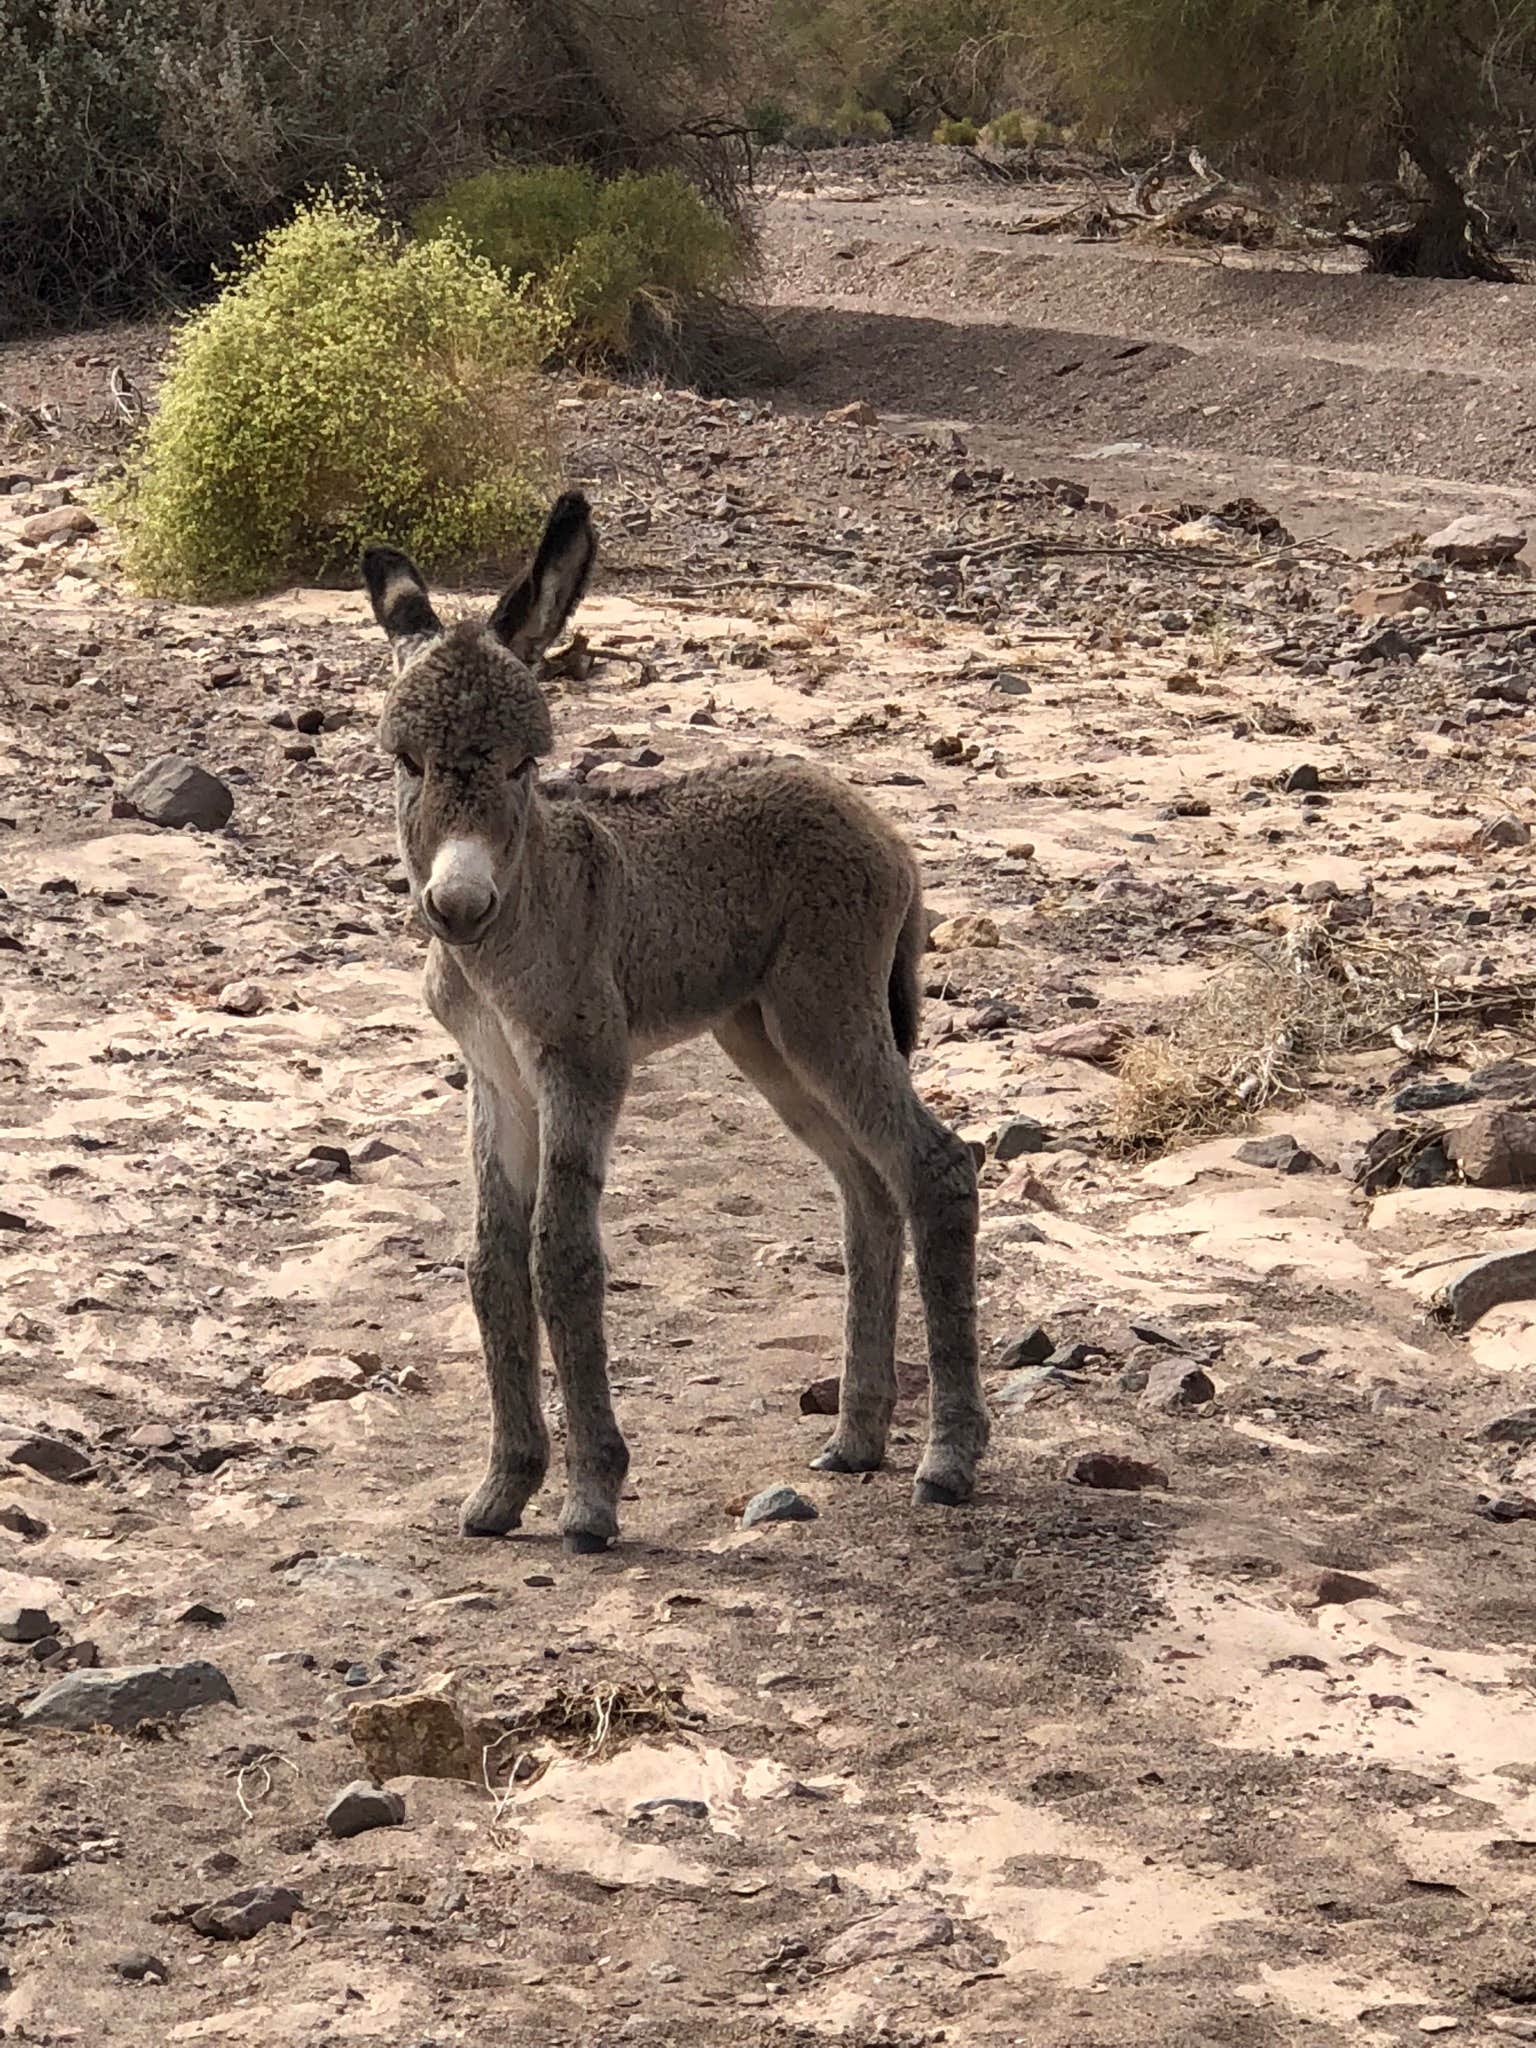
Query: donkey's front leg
(579,1102)
(504,1145)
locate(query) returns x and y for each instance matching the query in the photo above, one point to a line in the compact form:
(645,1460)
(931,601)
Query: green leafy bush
(601,250)
(1018,130)
(959,134)
(855,123)
(768,120)
(344,387)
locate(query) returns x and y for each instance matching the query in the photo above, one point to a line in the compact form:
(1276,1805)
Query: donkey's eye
(411,766)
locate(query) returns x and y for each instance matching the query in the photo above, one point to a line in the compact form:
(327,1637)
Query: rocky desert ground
(1112,573)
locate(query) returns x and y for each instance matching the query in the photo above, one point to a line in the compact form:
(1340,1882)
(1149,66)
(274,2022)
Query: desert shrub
(143,139)
(345,386)
(861,124)
(958,134)
(768,121)
(1018,130)
(600,249)
(525,222)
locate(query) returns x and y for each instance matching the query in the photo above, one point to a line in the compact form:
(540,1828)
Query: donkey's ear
(400,601)
(530,616)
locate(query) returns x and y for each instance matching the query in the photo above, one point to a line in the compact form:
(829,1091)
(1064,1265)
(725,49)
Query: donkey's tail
(905,987)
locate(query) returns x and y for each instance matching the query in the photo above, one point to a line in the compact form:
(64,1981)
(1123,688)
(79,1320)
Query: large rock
(972,928)
(49,1456)
(175,791)
(360,1806)
(246,1912)
(1096,1041)
(316,1379)
(425,1734)
(62,522)
(899,1930)
(1473,542)
(1393,600)
(124,1697)
(1496,1149)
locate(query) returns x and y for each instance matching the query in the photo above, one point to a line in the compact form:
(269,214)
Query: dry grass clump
(587,1722)
(1257,1029)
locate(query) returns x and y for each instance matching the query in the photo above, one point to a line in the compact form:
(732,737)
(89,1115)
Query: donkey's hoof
(584,1543)
(953,1492)
(835,1459)
(492,1510)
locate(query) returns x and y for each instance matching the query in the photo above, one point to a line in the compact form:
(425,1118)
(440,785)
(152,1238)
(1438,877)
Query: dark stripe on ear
(399,596)
(531,613)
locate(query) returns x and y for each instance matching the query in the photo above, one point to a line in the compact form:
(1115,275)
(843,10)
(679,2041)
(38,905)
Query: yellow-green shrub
(959,134)
(344,387)
(856,123)
(1017,130)
(601,250)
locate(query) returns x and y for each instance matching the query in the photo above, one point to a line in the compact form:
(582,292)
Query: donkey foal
(573,933)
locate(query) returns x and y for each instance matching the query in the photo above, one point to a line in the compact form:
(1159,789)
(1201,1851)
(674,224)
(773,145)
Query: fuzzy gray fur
(762,901)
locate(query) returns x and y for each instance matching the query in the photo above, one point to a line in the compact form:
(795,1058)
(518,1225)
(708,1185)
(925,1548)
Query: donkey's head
(466,721)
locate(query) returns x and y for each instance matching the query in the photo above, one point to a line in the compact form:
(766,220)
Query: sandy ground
(1071,1767)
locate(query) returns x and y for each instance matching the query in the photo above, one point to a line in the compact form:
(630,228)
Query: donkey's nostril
(460,910)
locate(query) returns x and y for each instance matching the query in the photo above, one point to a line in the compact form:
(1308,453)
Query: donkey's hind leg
(839,1046)
(872,1240)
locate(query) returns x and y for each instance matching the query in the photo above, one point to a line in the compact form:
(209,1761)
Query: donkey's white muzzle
(460,900)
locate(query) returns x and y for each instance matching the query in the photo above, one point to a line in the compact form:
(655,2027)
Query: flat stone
(901,1929)
(1332,1588)
(1518,1427)
(141,1969)
(245,1912)
(1393,600)
(1115,1472)
(173,791)
(1034,1347)
(315,1379)
(48,1456)
(1476,542)
(821,1397)
(63,522)
(1097,1041)
(1175,1383)
(1419,1096)
(360,1806)
(28,1853)
(22,1622)
(1496,1148)
(1020,1135)
(1034,1382)
(778,1504)
(1282,1154)
(242,999)
(122,1697)
(971,929)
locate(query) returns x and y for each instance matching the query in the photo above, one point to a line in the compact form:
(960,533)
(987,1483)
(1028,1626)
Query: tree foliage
(143,139)
(908,59)
(1340,90)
